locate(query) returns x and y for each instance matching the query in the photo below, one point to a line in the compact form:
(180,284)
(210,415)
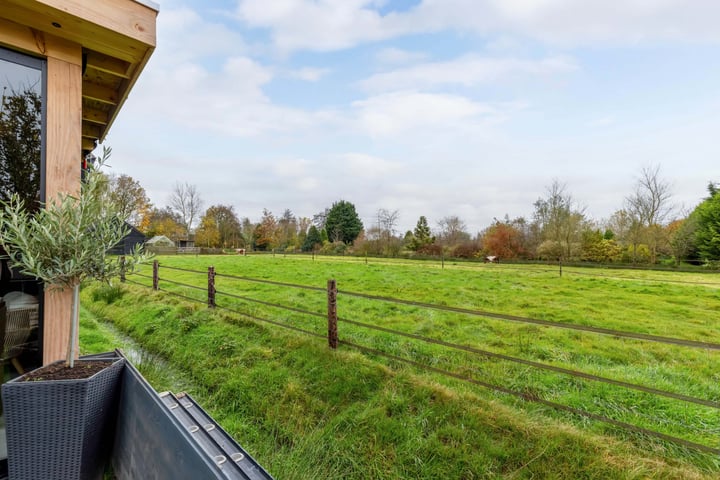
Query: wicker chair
(16,324)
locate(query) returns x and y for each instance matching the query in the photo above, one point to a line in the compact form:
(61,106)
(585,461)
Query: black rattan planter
(61,429)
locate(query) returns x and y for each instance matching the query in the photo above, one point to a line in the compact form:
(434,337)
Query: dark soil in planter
(60,371)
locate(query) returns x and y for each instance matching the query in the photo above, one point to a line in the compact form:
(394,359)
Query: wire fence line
(543,366)
(535,266)
(547,323)
(333,320)
(536,399)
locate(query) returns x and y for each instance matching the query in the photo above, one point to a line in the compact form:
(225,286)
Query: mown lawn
(665,304)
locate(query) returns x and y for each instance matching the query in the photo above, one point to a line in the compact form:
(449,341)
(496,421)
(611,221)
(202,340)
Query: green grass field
(300,372)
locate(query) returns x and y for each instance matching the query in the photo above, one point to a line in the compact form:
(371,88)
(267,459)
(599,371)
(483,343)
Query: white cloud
(468,70)
(185,36)
(368,166)
(296,167)
(332,25)
(395,113)
(229,101)
(317,25)
(397,56)
(310,74)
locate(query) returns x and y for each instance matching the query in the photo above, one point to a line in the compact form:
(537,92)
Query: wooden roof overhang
(117,39)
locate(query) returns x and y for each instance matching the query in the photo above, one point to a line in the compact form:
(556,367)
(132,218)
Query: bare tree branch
(186,201)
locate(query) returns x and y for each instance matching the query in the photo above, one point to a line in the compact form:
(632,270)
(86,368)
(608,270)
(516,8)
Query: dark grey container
(61,429)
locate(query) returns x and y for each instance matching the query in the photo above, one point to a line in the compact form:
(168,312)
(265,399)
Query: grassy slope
(306,412)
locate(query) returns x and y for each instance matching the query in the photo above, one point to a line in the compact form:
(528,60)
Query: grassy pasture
(659,303)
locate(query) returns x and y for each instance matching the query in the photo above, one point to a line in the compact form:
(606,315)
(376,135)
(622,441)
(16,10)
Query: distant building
(160,241)
(129,242)
(186,243)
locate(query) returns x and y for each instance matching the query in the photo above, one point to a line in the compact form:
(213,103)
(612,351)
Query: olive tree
(67,242)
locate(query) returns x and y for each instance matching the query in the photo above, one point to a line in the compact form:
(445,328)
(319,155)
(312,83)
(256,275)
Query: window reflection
(21,140)
(20,133)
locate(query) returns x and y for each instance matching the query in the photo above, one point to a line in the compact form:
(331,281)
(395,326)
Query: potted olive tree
(59,417)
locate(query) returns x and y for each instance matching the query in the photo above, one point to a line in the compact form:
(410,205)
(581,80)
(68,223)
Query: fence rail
(334,341)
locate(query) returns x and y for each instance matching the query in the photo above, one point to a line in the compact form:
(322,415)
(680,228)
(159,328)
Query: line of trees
(647,229)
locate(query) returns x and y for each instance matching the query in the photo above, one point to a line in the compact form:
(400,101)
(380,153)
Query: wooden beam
(88,144)
(100,93)
(107,64)
(94,115)
(115,28)
(62,174)
(91,131)
(34,42)
(125,88)
(126,17)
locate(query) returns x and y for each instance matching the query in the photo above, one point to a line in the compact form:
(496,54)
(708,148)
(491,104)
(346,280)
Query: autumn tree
(219,227)
(343,223)
(265,234)
(504,240)
(620,224)
(163,222)
(287,229)
(596,247)
(186,202)
(682,235)
(207,233)
(559,222)
(130,197)
(303,224)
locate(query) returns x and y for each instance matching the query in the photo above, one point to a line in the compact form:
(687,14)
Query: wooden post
(366,258)
(442,260)
(122,269)
(156,275)
(211,287)
(560,263)
(332,314)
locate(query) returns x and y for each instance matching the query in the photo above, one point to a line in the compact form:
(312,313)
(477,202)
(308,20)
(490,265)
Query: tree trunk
(74,325)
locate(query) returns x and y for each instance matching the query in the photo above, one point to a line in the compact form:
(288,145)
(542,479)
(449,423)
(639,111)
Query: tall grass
(303,387)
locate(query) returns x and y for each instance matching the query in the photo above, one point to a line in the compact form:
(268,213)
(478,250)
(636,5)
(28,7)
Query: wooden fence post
(211,287)
(332,314)
(122,269)
(560,263)
(156,275)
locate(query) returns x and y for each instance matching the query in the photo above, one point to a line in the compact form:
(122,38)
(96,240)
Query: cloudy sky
(431,107)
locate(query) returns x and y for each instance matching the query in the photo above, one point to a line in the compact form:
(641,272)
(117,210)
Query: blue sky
(431,107)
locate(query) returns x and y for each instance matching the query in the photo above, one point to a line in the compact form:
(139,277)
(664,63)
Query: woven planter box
(61,429)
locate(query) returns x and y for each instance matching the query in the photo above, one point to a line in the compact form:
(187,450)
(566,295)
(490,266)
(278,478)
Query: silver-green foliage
(67,242)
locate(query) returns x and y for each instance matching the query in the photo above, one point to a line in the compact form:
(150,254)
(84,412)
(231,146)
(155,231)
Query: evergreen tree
(312,239)
(707,216)
(421,235)
(343,223)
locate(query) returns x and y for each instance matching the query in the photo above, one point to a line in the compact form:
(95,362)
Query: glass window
(22,94)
